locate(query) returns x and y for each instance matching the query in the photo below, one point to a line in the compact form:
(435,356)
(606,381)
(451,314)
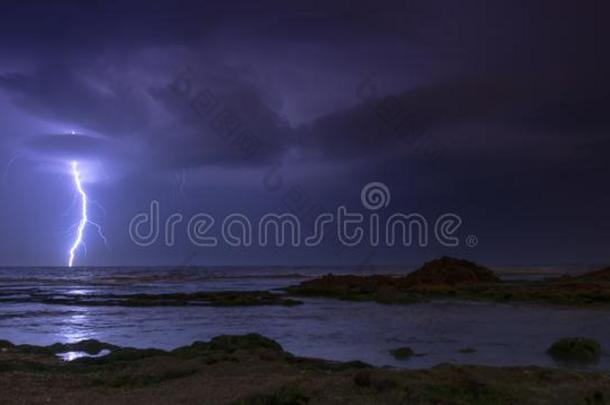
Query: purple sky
(497,111)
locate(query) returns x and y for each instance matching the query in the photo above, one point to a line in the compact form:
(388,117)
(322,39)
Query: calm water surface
(501,334)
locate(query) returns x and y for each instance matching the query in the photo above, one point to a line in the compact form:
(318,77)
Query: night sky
(496,111)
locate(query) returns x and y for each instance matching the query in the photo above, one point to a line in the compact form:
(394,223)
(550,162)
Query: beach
(169,309)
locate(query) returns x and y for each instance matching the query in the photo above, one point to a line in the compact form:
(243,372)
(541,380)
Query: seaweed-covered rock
(602,275)
(363,378)
(435,278)
(345,287)
(251,341)
(286,395)
(89,346)
(138,376)
(575,350)
(454,278)
(450,271)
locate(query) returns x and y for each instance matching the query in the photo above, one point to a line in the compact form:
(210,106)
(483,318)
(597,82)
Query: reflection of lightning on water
(84,215)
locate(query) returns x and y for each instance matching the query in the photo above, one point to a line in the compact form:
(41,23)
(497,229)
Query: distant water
(501,334)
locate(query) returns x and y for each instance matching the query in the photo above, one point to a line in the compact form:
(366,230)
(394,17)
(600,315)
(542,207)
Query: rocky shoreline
(454,278)
(251,369)
(443,278)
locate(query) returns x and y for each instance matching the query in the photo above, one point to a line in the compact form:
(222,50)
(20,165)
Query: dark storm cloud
(519,102)
(197,134)
(73,26)
(98,103)
(220,126)
(100,87)
(167,126)
(477,104)
(75,72)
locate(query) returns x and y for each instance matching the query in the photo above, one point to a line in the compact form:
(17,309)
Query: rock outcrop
(602,275)
(450,271)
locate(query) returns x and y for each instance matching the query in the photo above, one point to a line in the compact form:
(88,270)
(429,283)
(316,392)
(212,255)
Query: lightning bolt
(82,224)
(84,218)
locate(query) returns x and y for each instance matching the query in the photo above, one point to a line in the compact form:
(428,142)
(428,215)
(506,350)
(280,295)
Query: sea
(501,334)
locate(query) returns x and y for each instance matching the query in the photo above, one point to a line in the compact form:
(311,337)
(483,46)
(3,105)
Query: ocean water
(501,334)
